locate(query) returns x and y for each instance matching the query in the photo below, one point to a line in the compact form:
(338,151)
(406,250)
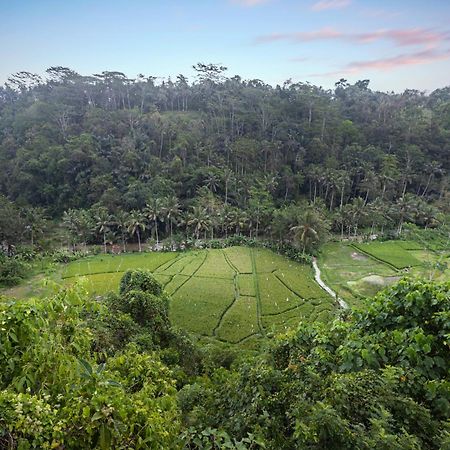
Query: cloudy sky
(397,44)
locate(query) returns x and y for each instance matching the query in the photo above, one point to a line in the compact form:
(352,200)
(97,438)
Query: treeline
(250,151)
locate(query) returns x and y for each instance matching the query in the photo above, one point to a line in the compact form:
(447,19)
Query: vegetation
(226,190)
(115,374)
(120,161)
(231,301)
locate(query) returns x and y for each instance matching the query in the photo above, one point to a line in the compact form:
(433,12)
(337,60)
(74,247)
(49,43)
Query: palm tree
(171,212)
(433,168)
(198,220)
(69,220)
(153,212)
(136,224)
(357,211)
(121,222)
(310,229)
(103,221)
(35,222)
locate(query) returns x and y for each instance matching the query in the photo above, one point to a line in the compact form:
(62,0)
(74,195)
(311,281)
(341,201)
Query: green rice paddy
(361,270)
(230,294)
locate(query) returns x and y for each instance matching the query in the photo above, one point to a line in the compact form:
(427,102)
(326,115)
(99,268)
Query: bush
(140,280)
(12,270)
(147,309)
(65,256)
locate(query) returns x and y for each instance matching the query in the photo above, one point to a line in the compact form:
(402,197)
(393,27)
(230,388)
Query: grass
(355,274)
(199,304)
(239,321)
(246,284)
(301,281)
(240,258)
(215,266)
(116,263)
(229,295)
(390,252)
(275,296)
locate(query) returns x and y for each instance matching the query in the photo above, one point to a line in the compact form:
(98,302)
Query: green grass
(301,281)
(240,258)
(116,263)
(239,321)
(354,274)
(215,266)
(275,296)
(98,283)
(246,284)
(390,252)
(228,295)
(176,282)
(409,245)
(199,304)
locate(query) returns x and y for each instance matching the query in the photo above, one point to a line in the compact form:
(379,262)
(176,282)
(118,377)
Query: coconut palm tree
(35,222)
(121,221)
(153,211)
(103,221)
(171,212)
(198,220)
(310,230)
(136,224)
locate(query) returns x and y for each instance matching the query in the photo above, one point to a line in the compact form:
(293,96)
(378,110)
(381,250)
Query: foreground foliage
(58,393)
(78,373)
(378,379)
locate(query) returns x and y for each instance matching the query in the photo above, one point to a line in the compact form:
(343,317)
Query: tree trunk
(139,240)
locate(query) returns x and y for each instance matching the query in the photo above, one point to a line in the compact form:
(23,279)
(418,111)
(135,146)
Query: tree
(171,212)
(121,221)
(154,211)
(137,224)
(35,221)
(310,230)
(103,221)
(198,220)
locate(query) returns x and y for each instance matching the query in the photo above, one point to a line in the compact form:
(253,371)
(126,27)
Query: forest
(130,207)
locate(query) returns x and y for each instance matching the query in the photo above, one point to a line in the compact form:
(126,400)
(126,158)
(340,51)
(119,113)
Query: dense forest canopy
(69,143)
(71,140)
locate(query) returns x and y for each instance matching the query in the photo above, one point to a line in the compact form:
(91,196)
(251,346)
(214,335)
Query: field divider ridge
(236,297)
(257,293)
(375,258)
(189,277)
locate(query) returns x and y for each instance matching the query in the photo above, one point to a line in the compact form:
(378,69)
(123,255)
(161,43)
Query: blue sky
(396,44)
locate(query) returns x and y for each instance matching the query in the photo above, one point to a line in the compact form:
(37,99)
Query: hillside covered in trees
(216,155)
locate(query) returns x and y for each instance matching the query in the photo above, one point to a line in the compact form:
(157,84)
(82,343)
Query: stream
(326,288)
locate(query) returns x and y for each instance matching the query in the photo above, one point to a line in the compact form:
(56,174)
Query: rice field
(360,270)
(233,295)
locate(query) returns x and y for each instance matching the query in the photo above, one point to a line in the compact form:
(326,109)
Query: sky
(396,44)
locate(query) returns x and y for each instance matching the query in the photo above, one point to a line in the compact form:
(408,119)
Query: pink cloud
(411,36)
(302,36)
(400,37)
(323,5)
(387,64)
(410,59)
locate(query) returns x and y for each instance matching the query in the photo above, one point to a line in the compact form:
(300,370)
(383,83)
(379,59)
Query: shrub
(147,309)
(140,280)
(12,270)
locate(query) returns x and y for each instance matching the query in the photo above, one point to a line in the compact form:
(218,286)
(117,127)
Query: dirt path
(326,288)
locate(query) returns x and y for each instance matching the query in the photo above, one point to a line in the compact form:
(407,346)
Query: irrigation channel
(326,288)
